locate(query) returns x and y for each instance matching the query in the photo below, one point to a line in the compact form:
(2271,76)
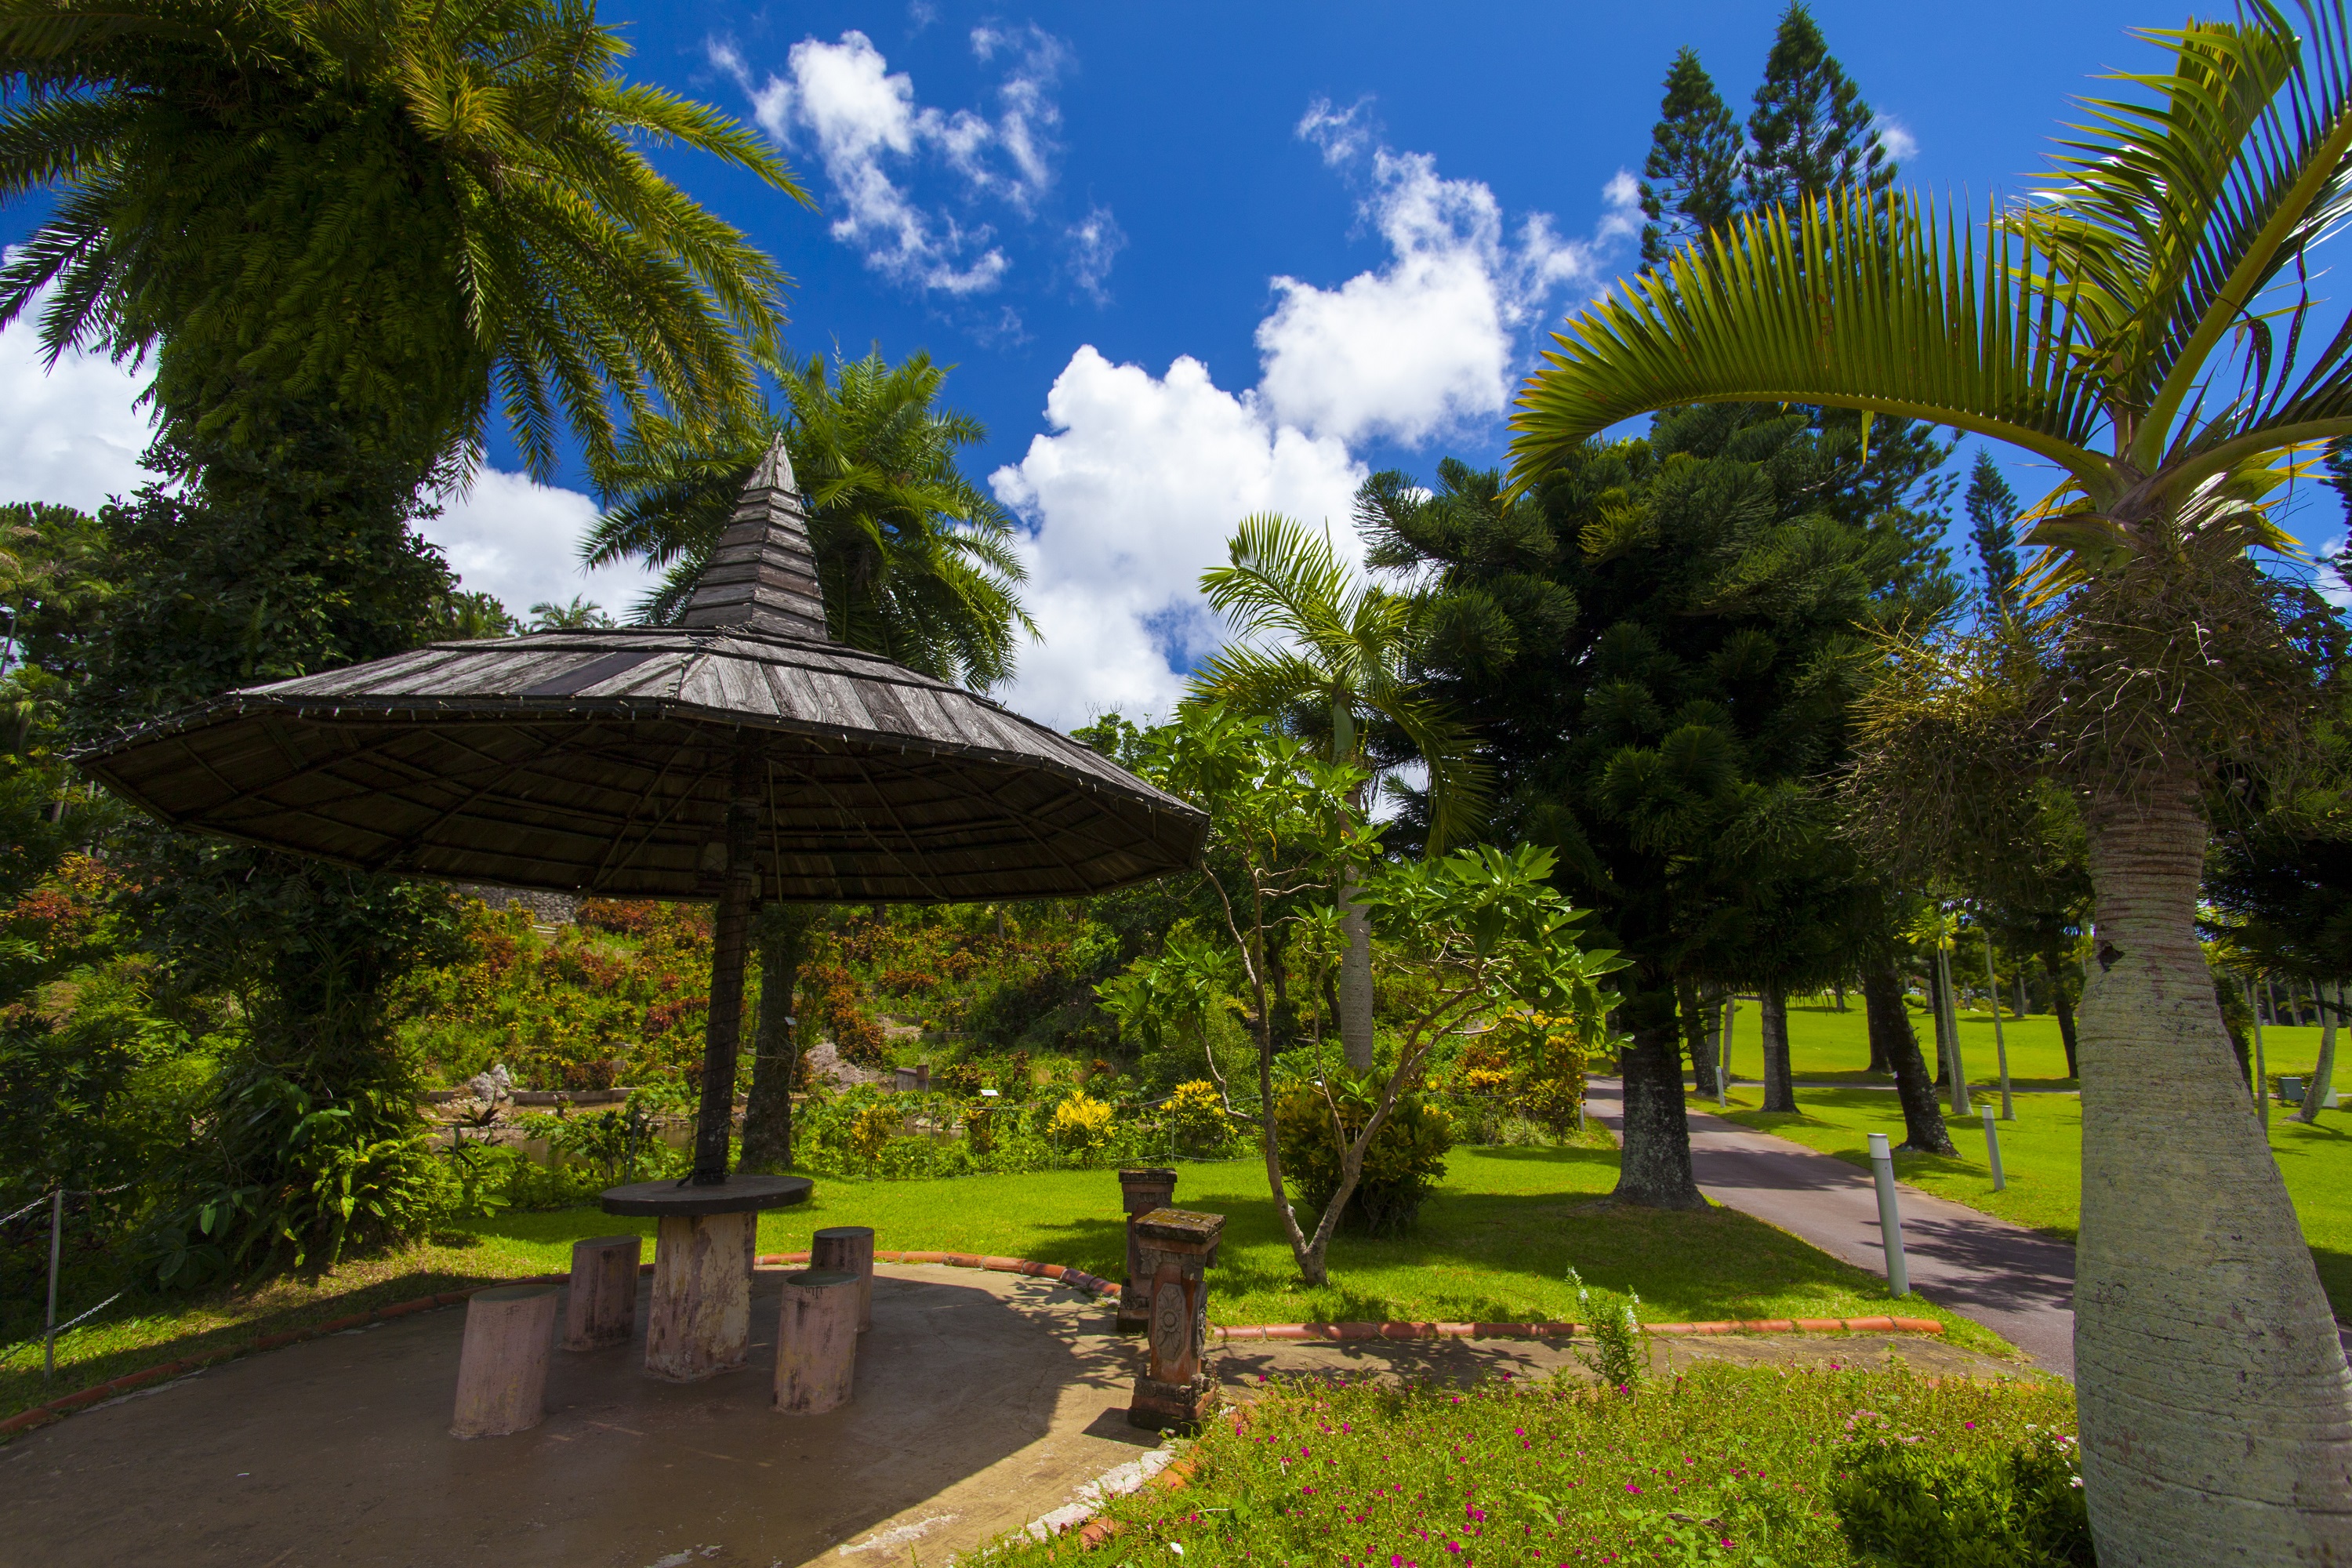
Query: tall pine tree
(1810,132)
(1690,181)
(1992,525)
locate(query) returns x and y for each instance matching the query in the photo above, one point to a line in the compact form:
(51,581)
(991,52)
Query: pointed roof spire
(762,577)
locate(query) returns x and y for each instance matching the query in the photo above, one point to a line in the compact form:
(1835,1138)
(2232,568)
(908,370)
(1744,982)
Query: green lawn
(1493,1245)
(2042,1155)
(1826,1044)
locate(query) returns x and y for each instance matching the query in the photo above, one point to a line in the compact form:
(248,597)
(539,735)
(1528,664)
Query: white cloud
(1094,242)
(1430,341)
(2325,579)
(1894,141)
(862,120)
(1132,495)
(1343,134)
(1138,482)
(520,541)
(70,435)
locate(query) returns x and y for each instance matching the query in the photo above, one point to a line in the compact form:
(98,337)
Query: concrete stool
(602,1307)
(816,1341)
(502,1370)
(848,1249)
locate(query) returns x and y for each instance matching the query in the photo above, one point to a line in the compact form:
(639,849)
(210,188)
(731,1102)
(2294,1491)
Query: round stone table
(706,1237)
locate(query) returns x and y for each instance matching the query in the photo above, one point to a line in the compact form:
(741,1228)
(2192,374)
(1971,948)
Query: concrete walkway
(983,1402)
(2017,1282)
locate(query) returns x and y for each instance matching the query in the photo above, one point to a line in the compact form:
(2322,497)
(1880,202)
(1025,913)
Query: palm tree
(396,210)
(582,614)
(2142,325)
(1333,654)
(914,560)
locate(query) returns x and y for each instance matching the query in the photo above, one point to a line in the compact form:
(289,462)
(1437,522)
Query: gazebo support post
(731,937)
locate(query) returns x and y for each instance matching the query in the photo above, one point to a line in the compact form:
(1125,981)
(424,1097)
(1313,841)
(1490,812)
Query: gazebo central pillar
(730,938)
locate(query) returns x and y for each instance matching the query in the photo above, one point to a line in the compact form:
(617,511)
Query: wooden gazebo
(741,755)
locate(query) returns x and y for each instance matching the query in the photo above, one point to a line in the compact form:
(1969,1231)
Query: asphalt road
(2017,1282)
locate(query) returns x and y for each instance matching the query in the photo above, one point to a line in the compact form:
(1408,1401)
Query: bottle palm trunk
(2216,1406)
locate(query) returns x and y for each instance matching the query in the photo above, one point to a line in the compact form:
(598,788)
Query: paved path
(2015,1281)
(983,1402)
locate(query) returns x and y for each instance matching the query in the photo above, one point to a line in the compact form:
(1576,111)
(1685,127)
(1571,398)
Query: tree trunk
(1780,1088)
(1655,1169)
(1696,1038)
(1355,979)
(2215,1402)
(1936,1011)
(1877,1035)
(2063,1005)
(714,1123)
(1891,1034)
(2323,1076)
(783,930)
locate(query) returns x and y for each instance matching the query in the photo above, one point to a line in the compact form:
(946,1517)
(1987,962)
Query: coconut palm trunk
(2323,1074)
(2191,1436)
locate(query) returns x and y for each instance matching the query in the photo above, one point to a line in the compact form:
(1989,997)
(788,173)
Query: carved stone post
(1175,1250)
(1140,1192)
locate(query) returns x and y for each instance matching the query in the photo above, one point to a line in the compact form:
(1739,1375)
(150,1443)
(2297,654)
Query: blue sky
(1194,261)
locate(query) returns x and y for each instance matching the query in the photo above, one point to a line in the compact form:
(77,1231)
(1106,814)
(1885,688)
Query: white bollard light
(1890,1217)
(1993,1149)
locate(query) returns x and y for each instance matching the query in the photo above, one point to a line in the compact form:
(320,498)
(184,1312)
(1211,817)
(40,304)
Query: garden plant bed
(1720,1463)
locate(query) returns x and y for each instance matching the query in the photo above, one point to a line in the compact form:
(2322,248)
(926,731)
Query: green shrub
(1618,1358)
(1402,1167)
(1908,1502)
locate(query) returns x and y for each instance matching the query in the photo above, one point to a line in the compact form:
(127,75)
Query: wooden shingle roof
(601,762)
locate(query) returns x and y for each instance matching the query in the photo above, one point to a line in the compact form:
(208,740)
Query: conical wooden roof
(602,762)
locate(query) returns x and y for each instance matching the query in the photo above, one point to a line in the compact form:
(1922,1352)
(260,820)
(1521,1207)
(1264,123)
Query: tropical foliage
(2143,325)
(403,212)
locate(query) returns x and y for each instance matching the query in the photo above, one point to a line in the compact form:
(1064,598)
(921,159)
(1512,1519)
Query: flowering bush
(1196,1116)
(1082,1124)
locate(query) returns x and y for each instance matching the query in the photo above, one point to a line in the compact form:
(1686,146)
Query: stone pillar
(502,1367)
(847,1249)
(816,1342)
(601,1309)
(1140,1191)
(1176,1248)
(701,1321)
